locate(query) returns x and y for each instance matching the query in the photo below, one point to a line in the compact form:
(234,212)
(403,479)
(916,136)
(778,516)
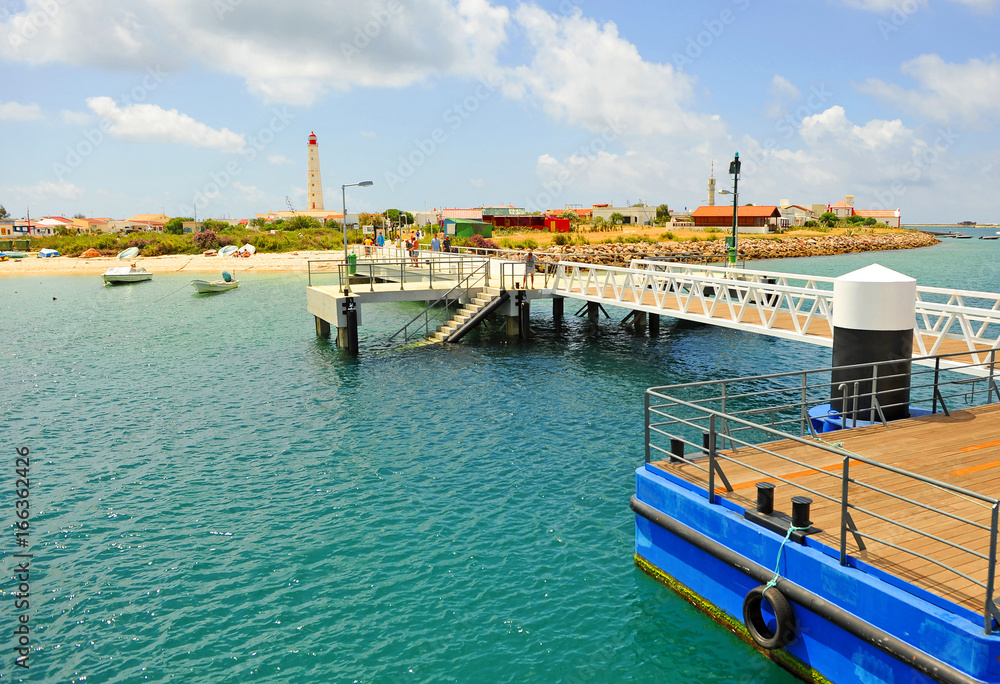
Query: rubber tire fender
(784,631)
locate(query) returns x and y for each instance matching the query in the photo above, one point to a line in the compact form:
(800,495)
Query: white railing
(781,304)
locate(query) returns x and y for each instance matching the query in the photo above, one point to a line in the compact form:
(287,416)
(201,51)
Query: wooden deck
(961,450)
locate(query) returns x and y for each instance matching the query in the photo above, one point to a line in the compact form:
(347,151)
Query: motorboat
(228,282)
(118,275)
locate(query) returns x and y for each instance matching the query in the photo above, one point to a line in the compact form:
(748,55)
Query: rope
(169,293)
(777,562)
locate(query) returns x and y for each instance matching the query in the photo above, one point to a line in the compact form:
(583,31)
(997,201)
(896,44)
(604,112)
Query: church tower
(314,185)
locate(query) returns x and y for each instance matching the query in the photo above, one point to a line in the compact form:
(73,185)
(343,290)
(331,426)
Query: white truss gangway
(797,307)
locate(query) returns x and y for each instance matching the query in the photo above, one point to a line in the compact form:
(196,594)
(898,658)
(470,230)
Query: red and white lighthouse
(314,184)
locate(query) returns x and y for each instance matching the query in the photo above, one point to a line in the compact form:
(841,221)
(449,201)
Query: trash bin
(352,260)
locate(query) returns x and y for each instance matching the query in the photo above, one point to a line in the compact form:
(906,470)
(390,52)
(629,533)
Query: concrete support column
(557,309)
(524,324)
(513,326)
(322,327)
(874,313)
(639,321)
(593,312)
(654,325)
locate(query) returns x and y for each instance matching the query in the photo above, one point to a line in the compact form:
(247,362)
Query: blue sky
(113,108)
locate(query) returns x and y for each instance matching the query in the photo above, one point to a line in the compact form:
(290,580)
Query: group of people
(369,243)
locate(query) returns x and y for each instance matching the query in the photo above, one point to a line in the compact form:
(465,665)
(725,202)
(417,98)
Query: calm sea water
(219,496)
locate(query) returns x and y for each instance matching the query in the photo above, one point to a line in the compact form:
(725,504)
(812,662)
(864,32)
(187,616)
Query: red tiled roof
(878,213)
(750,212)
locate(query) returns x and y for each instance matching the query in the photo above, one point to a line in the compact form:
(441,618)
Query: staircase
(467,311)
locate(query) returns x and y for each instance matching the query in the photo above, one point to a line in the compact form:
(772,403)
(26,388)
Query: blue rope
(777,562)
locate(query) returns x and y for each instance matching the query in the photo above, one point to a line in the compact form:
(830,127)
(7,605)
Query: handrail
(725,412)
(448,298)
(747,298)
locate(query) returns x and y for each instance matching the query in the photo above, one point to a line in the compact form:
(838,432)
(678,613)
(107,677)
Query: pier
(890,528)
(790,306)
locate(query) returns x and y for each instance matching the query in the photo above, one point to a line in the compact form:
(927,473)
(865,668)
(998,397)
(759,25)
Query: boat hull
(714,557)
(124,279)
(213,286)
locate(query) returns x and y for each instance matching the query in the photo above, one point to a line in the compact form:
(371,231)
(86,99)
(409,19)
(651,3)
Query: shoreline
(172,263)
(606,254)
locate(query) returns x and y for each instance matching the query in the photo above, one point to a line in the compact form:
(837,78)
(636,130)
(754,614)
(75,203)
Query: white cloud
(76,118)
(368,134)
(45,191)
(782,87)
(586,74)
(150,123)
(249,192)
(477,182)
(946,91)
(278,160)
(14,111)
(347,42)
(782,92)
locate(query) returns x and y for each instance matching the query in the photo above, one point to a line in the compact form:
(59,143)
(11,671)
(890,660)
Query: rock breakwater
(619,254)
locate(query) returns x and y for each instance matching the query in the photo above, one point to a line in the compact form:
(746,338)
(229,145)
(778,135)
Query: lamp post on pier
(734,171)
(343,197)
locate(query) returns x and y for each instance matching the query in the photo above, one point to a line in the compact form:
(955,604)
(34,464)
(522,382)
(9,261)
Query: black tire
(753,618)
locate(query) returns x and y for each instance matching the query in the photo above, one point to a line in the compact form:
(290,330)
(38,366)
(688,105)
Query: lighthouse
(314,185)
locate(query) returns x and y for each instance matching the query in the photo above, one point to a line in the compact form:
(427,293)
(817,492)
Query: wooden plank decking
(961,450)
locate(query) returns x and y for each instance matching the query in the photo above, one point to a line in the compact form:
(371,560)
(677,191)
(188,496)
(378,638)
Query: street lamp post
(734,171)
(343,197)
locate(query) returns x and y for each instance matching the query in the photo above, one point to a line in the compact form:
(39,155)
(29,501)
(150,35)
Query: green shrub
(667,236)
(560,239)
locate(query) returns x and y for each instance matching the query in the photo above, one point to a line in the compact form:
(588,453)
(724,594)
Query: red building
(755,219)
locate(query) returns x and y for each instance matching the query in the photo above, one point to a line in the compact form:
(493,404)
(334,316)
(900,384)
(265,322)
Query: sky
(111,108)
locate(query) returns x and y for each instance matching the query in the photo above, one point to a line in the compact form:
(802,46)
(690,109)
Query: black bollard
(800,511)
(676,450)
(765,497)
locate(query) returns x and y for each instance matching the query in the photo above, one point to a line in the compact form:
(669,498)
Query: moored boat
(213,286)
(118,275)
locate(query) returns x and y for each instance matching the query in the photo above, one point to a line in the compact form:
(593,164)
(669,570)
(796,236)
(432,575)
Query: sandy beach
(176,263)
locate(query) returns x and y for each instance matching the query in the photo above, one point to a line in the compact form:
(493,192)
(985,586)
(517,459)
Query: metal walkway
(797,307)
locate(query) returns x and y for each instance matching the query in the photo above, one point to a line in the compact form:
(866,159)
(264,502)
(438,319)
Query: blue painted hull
(943,631)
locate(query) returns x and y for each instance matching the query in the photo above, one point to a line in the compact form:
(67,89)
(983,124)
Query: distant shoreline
(777,247)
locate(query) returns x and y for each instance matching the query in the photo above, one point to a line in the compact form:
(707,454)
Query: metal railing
(781,304)
(750,415)
(426,269)
(441,308)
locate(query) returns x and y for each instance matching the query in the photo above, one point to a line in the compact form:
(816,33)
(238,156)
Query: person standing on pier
(529,269)
(446,243)
(435,243)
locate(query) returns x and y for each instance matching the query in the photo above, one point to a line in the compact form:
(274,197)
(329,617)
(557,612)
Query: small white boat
(129,253)
(211,286)
(117,275)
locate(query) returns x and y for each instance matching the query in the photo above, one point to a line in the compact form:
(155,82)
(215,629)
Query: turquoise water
(218,495)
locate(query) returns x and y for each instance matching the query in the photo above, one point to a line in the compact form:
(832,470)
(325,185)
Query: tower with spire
(711,186)
(314,184)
